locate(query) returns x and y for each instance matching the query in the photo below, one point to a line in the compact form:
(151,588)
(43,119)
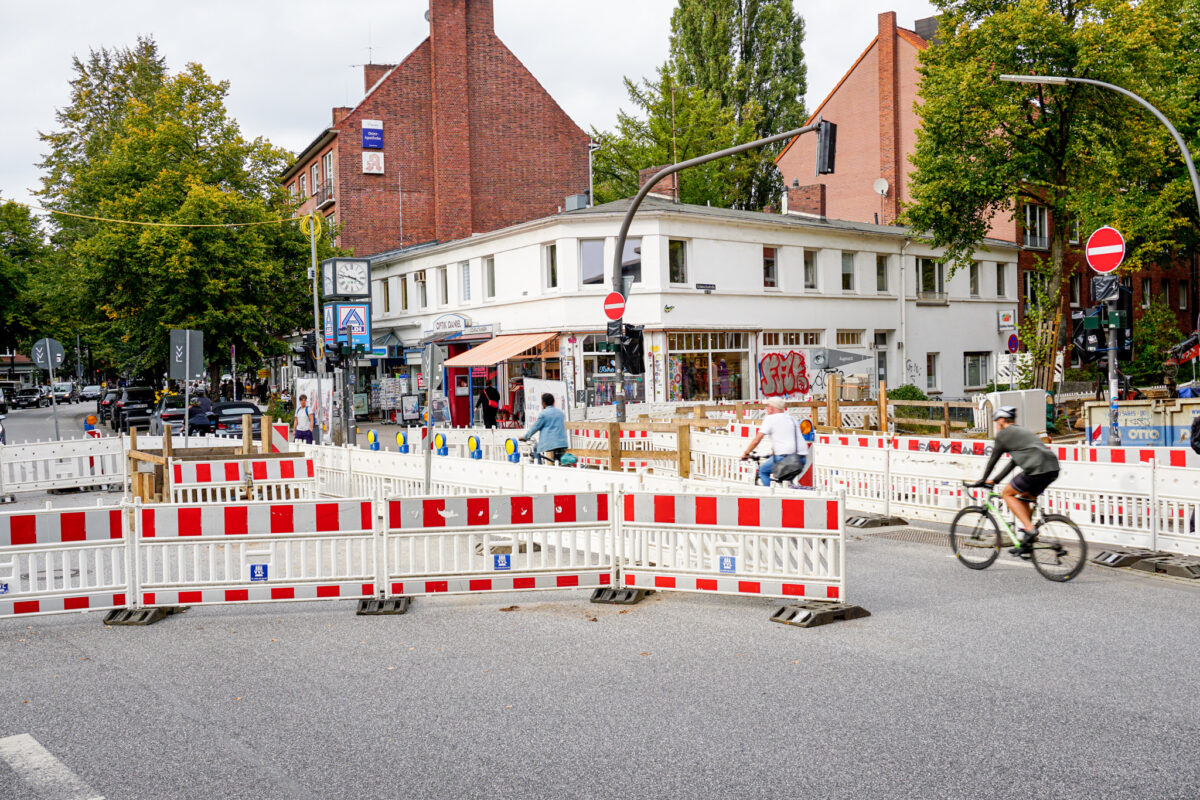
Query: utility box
(1030,405)
(1143,423)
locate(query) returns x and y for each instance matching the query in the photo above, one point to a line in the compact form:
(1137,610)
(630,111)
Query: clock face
(352,277)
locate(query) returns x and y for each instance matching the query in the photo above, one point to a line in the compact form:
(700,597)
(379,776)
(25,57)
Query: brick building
(877,130)
(457,139)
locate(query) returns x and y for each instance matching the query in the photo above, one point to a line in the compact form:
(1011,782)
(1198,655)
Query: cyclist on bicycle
(1039,469)
(552,440)
(786,440)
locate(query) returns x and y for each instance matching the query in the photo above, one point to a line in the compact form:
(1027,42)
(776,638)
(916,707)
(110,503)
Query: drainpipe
(902,354)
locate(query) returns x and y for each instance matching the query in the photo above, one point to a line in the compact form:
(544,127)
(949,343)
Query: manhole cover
(915,536)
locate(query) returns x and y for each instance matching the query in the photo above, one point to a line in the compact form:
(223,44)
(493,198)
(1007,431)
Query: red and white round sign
(614,306)
(1105,249)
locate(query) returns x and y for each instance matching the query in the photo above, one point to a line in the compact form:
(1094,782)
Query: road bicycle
(792,483)
(978,532)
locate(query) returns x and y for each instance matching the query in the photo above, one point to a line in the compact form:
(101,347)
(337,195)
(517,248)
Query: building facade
(457,139)
(735,305)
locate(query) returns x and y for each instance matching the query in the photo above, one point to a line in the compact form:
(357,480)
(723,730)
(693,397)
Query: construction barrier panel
(289,478)
(61,560)
(770,546)
(70,464)
(254,552)
(501,543)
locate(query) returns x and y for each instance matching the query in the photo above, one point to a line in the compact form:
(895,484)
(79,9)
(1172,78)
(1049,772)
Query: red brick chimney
(806,200)
(889,117)
(667,188)
(373,72)
(450,21)
(339,114)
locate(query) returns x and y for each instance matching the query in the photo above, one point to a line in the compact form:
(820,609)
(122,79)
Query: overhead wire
(301,219)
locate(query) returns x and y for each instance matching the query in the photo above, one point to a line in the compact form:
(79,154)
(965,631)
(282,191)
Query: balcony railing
(929,298)
(1035,242)
(324,195)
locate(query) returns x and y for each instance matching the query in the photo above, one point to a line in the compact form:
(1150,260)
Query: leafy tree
(178,158)
(1082,152)
(750,55)
(1154,334)
(23,251)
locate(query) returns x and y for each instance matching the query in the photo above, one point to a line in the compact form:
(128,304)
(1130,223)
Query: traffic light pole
(318,339)
(1114,349)
(617,279)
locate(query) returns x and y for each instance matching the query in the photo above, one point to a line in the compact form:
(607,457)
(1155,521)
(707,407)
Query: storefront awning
(499,349)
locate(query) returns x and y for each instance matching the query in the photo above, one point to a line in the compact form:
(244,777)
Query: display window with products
(708,365)
(600,372)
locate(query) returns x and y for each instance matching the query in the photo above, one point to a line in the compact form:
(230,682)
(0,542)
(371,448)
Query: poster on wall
(675,378)
(409,409)
(439,407)
(322,405)
(534,389)
(372,162)
(461,387)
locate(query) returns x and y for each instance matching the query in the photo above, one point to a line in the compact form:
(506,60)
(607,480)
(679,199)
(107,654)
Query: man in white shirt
(786,439)
(304,421)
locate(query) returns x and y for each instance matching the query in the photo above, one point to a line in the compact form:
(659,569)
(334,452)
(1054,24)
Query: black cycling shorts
(1033,485)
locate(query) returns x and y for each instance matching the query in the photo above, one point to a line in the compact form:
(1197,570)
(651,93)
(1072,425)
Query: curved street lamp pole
(617,278)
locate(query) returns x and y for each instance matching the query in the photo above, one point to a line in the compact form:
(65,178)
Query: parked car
(169,411)
(66,392)
(30,398)
(104,405)
(92,392)
(4,397)
(227,417)
(132,408)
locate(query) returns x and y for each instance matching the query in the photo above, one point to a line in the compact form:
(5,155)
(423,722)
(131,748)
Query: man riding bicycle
(786,440)
(1039,469)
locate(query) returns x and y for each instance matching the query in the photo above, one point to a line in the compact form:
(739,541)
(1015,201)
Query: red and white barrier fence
(250,479)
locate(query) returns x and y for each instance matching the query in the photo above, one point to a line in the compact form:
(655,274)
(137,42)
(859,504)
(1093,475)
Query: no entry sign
(1105,250)
(614,306)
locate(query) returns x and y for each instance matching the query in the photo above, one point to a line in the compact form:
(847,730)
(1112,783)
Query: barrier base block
(873,521)
(139,616)
(812,614)
(374,607)
(1177,566)
(618,597)
(1123,558)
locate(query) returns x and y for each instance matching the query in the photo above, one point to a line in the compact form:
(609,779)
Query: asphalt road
(33,424)
(961,684)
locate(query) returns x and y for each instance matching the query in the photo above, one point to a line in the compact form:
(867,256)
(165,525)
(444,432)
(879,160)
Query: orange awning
(499,349)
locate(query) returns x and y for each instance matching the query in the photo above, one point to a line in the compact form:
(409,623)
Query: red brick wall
(889,131)
(807,199)
(451,119)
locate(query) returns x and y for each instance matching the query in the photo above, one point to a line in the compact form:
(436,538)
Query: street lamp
(1063,80)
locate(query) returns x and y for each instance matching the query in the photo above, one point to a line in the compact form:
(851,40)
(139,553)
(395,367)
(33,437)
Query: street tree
(23,253)
(985,148)
(1156,332)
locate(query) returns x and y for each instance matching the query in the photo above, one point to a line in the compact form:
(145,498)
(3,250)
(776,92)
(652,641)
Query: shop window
(849,338)
(881,273)
(631,261)
(975,369)
(810,269)
(847,272)
(708,366)
(677,261)
(591,262)
(489,277)
(599,374)
(770,274)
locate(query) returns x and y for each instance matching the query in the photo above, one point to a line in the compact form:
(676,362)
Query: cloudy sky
(288,63)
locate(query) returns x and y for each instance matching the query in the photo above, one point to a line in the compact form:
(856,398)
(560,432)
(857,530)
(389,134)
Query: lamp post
(1063,80)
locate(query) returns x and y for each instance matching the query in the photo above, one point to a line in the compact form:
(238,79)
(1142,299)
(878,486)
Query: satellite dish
(881,186)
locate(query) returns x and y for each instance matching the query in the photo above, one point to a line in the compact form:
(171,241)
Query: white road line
(41,771)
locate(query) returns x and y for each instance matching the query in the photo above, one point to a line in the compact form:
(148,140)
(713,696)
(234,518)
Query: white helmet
(1006,412)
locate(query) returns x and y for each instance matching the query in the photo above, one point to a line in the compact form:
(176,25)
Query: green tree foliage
(177,157)
(750,55)
(23,252)
(1084,153)
(736,73)
(1153,335)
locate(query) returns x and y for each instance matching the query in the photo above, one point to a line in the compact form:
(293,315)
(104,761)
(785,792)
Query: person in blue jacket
(551,426)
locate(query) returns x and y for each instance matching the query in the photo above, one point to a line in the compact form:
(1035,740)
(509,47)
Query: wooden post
(168,451)
(247,435)
(945,420)
(832,417)
(614,446)
(883,406)
(132,464)
(265,438)
(699,412)
(683,444)
(739,412)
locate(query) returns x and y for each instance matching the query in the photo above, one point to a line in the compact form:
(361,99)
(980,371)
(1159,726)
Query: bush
(908,392)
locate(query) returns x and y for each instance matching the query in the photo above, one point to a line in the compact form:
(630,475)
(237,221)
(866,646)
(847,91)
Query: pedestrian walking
(489,402)
(304,421)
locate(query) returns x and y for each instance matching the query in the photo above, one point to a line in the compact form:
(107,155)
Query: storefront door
(458,387)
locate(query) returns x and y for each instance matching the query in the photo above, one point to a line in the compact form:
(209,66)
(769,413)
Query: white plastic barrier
(498,543)
(254,552)
(771,546)
(61,560)
(69,464)
(250,479)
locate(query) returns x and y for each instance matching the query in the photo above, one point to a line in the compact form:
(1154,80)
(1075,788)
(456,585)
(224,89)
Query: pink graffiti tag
(783,374)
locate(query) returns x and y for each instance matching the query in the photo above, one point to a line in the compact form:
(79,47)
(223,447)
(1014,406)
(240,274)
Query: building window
(931,279)
(327,166)
(931,370)
(791,338)
(384,296)
(1166,292)
(1145,292)
(847,272)
(810,269)
(422,292)
(316,178)
(551,266)
(631,262)
(975,369)
(303,186)
(1036,227)
(443,286)
(881,273)
(677,261)
(292,188)
(464,272)
(1001,280)
(404,293)
(708,366)
(1033,285)
(1185,288)
(489,277)
(974,275)
(599,373)
(770,275)
(849,338)
(1075,288)
(1073,231)
(591,262)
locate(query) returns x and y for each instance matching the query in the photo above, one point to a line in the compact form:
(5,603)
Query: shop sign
(1007,319)
(372,134)
(448,324)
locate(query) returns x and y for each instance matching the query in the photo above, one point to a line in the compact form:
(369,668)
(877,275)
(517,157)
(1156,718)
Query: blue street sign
(1014,343)
(372,138)
(502,561)
(258,572)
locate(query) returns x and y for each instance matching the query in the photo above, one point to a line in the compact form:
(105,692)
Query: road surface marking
(41,771)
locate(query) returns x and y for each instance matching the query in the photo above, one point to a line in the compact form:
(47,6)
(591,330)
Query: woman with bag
(489,402)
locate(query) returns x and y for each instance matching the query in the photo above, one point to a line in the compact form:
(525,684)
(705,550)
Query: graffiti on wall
(781,374)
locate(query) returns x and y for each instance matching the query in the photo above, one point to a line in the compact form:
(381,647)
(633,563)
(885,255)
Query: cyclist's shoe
(1026,549)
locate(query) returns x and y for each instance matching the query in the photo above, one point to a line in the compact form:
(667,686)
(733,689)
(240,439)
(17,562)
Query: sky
(289,63)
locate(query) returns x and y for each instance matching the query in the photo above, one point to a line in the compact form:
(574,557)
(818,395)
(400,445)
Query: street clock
(346,277)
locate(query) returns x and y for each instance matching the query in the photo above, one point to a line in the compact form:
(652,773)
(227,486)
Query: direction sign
(1105,249)
(614,305)
(48,353)
(187,354)
(1014,343)
(832,359)
(432,358)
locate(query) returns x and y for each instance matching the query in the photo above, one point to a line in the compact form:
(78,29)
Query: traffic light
(333,353)
(826,147)
(632,350)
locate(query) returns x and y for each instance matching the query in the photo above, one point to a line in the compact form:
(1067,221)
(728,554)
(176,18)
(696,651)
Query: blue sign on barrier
(3,588)
(728,564)
(258,572)
(502,561)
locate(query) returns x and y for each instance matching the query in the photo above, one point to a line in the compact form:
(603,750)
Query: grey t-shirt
(1027,452)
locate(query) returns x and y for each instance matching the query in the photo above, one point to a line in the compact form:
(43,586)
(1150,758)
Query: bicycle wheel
(1060,550)
(975,538)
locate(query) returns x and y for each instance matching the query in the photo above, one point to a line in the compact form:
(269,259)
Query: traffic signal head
(826,147)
